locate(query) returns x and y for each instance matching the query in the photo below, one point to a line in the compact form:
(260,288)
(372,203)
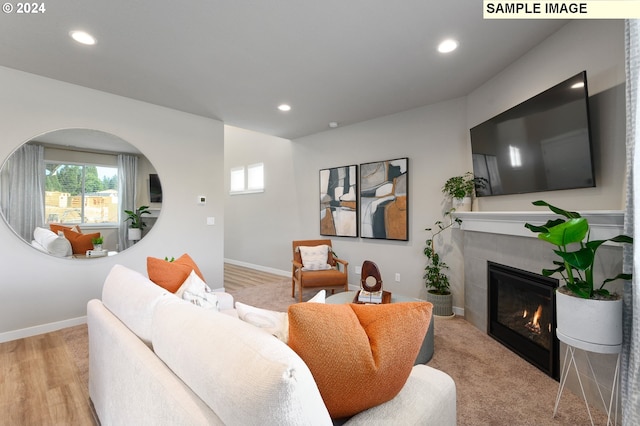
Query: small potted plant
(436,280)
(135,229)
(97,243)
(461,189)
(585,313)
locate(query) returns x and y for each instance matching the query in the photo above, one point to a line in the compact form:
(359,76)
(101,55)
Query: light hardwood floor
(39,380)
(39,384)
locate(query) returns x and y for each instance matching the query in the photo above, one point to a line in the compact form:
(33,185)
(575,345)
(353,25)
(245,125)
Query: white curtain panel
(127,177)
(22,195)
(630,377)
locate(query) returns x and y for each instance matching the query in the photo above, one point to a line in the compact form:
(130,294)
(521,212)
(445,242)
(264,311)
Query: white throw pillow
(196,291)
(273,322)
(315,258)
(319,297)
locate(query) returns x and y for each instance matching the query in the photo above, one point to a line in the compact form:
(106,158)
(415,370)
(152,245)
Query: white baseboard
(458,311)
(41,329)
(259,267)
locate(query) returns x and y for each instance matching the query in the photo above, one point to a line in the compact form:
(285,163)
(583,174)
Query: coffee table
(427,348)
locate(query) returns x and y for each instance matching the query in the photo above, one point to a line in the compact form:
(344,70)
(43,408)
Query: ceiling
(236,60)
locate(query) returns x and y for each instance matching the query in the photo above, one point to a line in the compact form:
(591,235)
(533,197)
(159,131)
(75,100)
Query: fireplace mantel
(604,223)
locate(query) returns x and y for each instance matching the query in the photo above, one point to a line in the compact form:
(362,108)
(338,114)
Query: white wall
(436,140)
(39,292)
(259,227)
(596,46)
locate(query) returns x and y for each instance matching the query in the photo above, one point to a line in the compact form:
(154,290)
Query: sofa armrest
(225,300)
(428,398)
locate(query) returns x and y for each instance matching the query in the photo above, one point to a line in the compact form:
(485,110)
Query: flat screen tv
(155,189)
(542,144)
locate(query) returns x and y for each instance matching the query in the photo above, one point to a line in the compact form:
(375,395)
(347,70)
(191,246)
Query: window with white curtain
(247,180)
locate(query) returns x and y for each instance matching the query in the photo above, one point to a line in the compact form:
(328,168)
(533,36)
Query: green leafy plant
(459,187)
(576,264)
(97,240)
(435,279)
(169,260)
(136,216)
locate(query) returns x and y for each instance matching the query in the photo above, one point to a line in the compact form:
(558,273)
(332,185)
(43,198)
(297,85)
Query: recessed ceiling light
(83,37)
(333,124)
(578,85)
(447,46)
(284,107)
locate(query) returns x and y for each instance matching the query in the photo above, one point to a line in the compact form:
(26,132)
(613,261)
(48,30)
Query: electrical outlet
(397,277)
(357,269)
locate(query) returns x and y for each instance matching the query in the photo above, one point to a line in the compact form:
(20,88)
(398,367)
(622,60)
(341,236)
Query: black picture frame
(384,199)
(339,201)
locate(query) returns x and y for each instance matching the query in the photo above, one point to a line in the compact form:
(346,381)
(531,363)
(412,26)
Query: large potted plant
(587,314)
(461,189)
(135,228)
(435,278)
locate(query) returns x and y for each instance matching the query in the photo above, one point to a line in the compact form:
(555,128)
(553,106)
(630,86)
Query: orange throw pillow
(55,227)
(360,355)
(171,275)
(80,243)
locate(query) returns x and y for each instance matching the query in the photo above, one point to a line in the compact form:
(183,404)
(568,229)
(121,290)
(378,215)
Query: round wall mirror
(76,193)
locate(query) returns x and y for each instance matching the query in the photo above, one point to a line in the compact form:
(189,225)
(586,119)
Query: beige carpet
(494,386)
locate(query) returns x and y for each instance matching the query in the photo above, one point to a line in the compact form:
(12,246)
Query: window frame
(83,165)
(248,186)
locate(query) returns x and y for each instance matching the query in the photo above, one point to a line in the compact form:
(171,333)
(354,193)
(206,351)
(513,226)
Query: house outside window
(81,194)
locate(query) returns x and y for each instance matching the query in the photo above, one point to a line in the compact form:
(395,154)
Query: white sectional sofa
(155,359)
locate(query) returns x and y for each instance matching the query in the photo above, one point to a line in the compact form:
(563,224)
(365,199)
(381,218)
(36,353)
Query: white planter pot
(589,324)
(462,204)
(135,234)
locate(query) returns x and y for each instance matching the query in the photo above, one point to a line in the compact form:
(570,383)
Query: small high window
(247,180)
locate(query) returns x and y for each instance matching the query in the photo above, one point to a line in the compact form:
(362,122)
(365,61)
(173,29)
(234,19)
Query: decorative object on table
(384,200)
(436,280)
(313,265)
(370,284)
(97,243)
(135,229)
(586,315)
(339,201)
(461,190)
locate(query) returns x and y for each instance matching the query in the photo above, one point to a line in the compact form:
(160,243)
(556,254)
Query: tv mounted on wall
(542,144)
(155,189)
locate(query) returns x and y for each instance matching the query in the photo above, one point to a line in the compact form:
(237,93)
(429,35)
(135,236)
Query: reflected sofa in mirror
(63,189)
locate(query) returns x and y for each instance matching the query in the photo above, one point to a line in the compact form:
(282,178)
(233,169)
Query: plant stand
(569,359)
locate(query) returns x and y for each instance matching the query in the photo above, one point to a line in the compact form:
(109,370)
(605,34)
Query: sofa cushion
(245,375)
(171,275)
(52,243)
(359,355)
(132,297)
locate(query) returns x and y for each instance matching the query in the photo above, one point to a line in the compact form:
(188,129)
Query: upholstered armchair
(315,266)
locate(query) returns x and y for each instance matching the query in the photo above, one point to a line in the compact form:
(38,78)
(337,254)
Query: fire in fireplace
(522,315)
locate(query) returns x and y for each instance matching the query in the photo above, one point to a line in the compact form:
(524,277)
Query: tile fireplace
(501,237)
(522,315)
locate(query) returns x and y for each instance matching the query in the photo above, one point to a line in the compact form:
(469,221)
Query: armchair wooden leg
(300,289)
(293,288)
